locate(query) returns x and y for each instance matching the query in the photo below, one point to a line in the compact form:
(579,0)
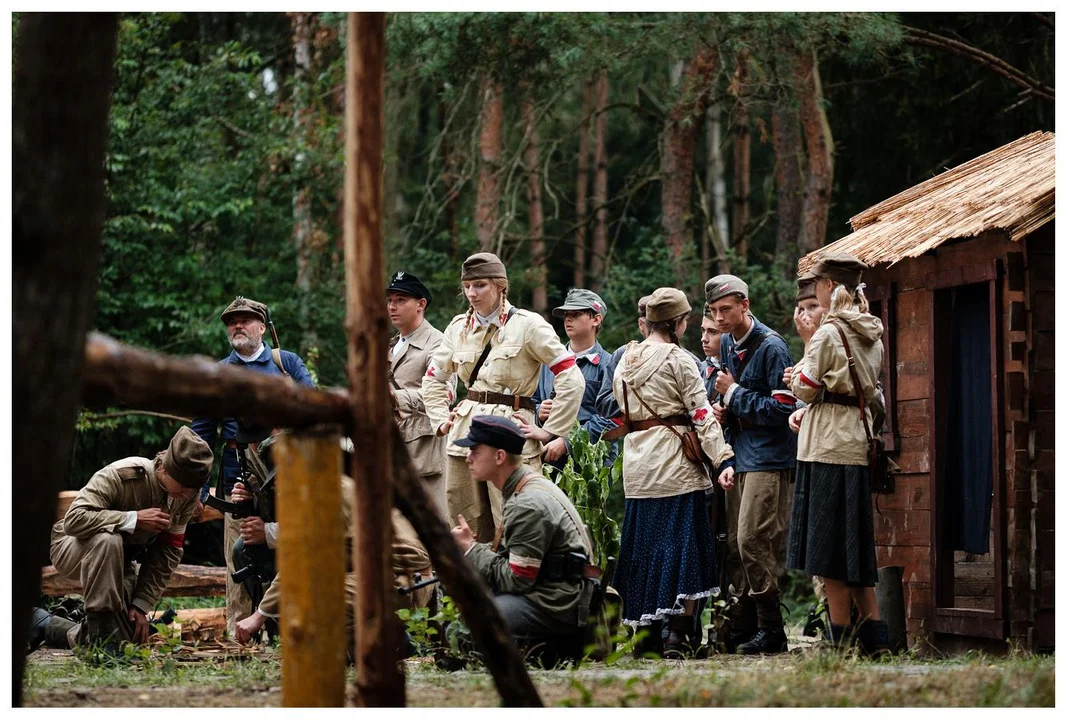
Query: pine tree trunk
(820,147)
(59,131)
(742,173)
(679,143)
(303,231)
(489,148)
(582,186)
(789,169)
(535,217)
(600,187)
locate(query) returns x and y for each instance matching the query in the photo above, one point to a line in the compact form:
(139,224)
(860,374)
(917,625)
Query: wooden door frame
(947,619)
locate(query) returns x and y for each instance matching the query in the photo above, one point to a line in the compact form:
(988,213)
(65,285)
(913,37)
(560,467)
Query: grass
(808,678)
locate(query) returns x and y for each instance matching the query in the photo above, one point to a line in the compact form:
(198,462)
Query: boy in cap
(754,412)
(537,566)
(135,508)
(410,353)
(246,322)
(583,312)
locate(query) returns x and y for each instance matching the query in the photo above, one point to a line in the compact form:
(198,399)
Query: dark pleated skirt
(666,555)
(831,530)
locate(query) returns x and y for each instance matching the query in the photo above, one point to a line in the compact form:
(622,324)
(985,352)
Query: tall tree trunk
(600,187)
(582,186)
(742,174)
(303,231)
(535,217)
(59,130)
(718,229)
(789,169)
(448,181)
(679,143)
(820,147)
(489,148)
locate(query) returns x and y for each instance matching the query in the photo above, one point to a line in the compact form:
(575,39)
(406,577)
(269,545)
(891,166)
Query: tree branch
(928,39)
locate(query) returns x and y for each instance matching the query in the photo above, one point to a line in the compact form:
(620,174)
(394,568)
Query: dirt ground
(805,677)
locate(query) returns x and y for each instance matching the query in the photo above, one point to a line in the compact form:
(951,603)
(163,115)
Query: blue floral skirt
(666,555)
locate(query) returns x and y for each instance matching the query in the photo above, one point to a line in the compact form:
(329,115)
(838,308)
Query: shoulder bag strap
(656,417)
(500,528)
(277,355)
(485,354)
(856,380)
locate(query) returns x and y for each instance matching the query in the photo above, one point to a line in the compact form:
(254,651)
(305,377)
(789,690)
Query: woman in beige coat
(519,343)
(667,558)
(831,529)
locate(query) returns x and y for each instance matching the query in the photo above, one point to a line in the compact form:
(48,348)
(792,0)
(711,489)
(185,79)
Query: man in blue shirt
(582,311)
(754,410)
(246,322)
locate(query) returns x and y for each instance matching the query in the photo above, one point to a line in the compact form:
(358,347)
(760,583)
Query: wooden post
(379,681)
(311,567)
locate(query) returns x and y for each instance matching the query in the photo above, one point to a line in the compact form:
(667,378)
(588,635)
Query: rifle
(419,583)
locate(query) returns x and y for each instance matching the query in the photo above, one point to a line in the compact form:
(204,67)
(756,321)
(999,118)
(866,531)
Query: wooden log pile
(186,581)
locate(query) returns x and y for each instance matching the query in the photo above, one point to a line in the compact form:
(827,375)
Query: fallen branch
(186,581)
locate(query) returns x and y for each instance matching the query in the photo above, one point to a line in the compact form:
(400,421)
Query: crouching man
(537,566)
(134,508)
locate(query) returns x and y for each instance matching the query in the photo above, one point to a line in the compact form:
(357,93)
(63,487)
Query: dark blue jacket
(588,417)
(207,428)
(767,443)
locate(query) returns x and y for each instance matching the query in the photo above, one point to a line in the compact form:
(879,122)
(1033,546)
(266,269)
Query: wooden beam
(186,581)
(66,497)
(379,679)
(199,386)
(311,567)
(409,494)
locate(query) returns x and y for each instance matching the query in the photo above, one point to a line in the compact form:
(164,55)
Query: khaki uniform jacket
(409,555)
(667,379)
(830,433)
(524,343)
(102,506)
(538,520)
(426,447)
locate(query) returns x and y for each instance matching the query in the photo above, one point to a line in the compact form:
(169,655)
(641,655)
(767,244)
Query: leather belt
(515,402)
(639,425)
(840,399)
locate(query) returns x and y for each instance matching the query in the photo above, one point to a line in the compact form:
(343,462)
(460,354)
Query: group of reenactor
(480,460)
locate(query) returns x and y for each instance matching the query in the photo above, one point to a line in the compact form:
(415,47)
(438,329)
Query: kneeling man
(537,566)
(134,508)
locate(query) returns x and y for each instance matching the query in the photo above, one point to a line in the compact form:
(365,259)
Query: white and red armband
(524,567)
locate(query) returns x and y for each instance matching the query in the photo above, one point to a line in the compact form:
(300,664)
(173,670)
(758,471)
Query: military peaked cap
(580,299)
(244,305)
(404,282)
(495,431)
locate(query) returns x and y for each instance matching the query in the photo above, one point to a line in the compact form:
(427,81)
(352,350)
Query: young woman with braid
(497,350)
(831,530)
(667,555)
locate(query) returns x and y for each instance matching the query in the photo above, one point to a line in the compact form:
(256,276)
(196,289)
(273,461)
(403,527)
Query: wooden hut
(962,274)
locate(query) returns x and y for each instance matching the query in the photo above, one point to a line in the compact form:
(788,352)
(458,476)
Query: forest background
(619,152)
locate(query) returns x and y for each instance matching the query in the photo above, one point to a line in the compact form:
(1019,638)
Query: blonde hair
(502,286)
(845,298)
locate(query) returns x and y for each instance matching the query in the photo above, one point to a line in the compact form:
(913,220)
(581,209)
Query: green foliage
(587,481)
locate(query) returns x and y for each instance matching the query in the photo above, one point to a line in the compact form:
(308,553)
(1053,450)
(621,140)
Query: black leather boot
(101,632)
(839,637)
(743,624)
(680,629)
(873,638)
(38,625)
(770,638)
(653,642)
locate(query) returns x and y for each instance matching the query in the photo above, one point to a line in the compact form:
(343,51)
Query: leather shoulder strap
(277,355)
(856,380)
(656,417)
(500,528)
(485,353)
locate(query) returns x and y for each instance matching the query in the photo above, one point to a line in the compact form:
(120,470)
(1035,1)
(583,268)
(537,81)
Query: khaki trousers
(435,488)
(478,502)
(238,602)
(99,563)
(758,512)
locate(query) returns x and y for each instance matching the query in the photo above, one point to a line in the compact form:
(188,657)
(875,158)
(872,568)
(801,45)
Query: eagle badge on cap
(400,275)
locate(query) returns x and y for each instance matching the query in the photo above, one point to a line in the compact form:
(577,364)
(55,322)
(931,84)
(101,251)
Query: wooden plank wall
(903,519)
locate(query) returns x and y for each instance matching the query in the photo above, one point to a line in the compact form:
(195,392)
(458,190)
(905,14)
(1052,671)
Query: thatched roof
(1011,189)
